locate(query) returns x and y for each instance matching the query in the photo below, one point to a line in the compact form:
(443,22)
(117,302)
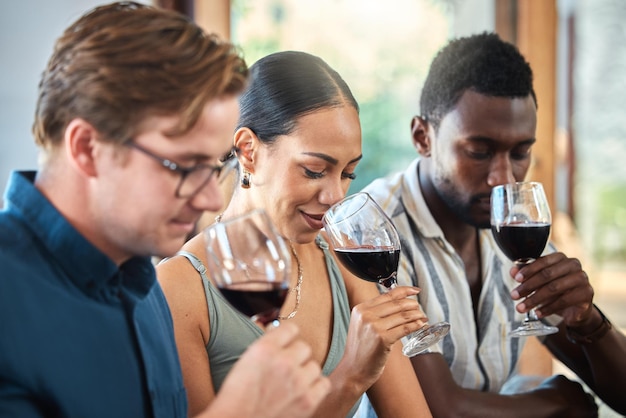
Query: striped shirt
(479,353)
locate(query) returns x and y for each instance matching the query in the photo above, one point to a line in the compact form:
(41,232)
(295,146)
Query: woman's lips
(314,221)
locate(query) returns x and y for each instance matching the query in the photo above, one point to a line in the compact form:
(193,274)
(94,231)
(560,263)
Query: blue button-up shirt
(79,336)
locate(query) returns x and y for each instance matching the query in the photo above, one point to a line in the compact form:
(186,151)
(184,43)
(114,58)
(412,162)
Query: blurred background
(577,49)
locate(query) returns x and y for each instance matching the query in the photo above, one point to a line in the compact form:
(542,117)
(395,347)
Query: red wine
(260,299)
(373,264)
(521,242)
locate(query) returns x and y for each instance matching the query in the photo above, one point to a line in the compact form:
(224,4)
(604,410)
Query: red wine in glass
(520,224)
(250,264)
(259,300)
(374,264)
(367,243)
(522,242)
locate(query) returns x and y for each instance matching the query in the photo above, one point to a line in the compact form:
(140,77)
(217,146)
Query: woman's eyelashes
(320,174)
(314,174)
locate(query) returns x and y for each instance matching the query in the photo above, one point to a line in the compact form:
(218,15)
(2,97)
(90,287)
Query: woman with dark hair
(299,142)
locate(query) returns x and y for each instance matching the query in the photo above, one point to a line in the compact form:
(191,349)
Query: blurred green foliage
(610,228)
(382,52)
(600,128)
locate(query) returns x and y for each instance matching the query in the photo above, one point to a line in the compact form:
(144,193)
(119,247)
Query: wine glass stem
(390,282)
(531,316)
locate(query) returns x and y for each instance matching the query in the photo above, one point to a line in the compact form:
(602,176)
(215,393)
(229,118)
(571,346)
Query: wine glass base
(420,340)
(533,328)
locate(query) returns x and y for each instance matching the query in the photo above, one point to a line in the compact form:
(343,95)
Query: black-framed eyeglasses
(193,179)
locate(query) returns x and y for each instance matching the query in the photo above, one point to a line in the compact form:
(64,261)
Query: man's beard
(458,206)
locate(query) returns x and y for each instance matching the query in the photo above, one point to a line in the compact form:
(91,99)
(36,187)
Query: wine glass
(520,223)
(250,265)
(367,243)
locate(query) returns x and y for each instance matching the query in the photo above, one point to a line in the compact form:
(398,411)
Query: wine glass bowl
(371,263)
(250,264)
(363,240)
(520,224)
(367,243)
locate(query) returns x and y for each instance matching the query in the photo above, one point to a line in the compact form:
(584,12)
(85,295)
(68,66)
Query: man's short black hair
(483,63)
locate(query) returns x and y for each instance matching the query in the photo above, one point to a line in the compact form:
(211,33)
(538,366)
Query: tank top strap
(195,262)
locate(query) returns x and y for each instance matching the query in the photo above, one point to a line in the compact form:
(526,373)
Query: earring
(245,180)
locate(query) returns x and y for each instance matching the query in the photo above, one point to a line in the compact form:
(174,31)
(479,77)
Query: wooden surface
(536,39)
(213,16)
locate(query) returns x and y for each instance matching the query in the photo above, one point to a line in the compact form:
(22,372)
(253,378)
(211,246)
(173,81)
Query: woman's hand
(375,325)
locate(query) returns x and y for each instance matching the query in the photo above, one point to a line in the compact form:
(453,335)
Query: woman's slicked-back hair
(483,63)
(125,61)
(285,86)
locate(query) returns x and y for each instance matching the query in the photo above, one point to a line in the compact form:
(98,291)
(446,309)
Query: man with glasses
(194,178)
(136,108)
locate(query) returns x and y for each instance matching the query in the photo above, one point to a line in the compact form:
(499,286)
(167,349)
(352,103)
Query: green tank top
(232,332)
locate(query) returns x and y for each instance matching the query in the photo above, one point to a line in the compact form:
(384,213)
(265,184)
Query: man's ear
(247,144)
(80,137)
(421,135)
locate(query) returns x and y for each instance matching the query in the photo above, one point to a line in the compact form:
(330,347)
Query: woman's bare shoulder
(178,278)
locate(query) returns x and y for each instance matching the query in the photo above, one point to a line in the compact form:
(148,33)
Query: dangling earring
(245,180)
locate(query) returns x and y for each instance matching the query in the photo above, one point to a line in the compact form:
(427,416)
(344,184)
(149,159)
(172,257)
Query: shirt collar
(415,204)
(87,267)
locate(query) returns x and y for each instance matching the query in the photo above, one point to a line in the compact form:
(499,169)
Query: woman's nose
(333,192)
